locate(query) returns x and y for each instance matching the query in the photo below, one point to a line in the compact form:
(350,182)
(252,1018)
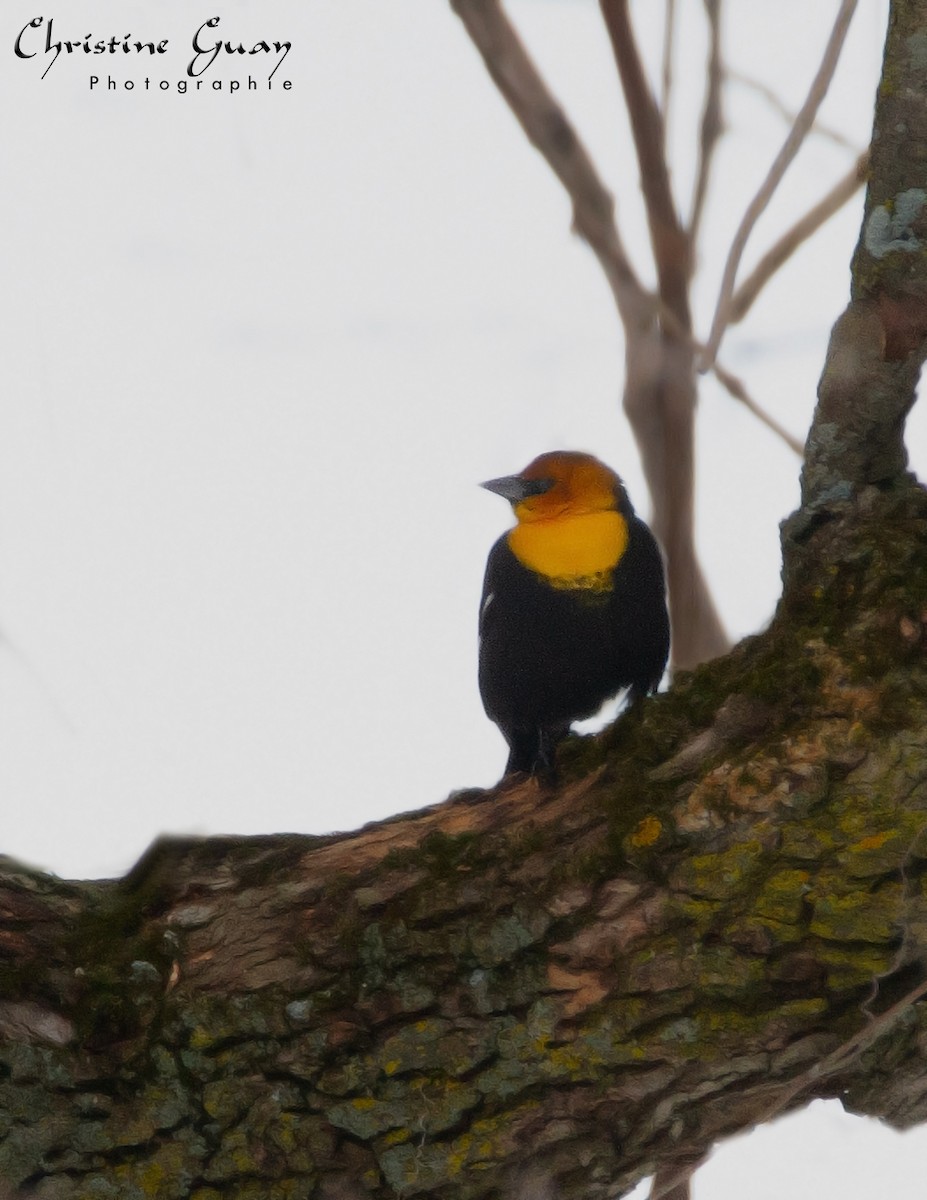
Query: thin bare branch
(788,243)
(712,122)
(845,1054)
(549,130)
(659,394)
(666,73)
(793,141)
(776,102)
(671,248)
(732,383)
(22,658)
(669,1181)
(736,387)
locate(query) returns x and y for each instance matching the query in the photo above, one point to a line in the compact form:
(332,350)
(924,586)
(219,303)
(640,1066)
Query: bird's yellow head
(573,484)
(571,511)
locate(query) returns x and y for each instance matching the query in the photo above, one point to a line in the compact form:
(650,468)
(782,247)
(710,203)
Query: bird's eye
(537,487)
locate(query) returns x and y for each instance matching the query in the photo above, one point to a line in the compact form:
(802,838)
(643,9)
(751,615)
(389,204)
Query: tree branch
(659,394)
(551,133)
(738,390)
(878,345)
(796,135)
(525,992)
(660,390)
(666,71)
(782,250)
(825,131)
(671,248)
(712,124)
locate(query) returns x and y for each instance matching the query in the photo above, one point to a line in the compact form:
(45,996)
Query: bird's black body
(551,653)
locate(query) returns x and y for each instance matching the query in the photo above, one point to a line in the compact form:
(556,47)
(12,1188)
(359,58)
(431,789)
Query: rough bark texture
(720,913)
(522,991)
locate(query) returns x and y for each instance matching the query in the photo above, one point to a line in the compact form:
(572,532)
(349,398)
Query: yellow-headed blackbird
(573,607)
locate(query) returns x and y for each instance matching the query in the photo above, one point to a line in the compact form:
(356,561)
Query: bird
(573,608)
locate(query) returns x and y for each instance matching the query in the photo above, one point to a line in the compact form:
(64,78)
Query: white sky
(258,350)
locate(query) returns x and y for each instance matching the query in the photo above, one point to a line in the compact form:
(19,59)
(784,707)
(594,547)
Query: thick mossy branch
(524,989)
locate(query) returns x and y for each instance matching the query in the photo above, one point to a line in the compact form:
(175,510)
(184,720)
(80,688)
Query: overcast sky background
(260,347)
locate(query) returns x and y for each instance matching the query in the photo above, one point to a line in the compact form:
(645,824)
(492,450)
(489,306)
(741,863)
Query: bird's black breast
(550,654)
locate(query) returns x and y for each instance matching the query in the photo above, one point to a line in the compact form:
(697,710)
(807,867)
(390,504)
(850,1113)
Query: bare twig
(729,381)
(550,131)
(844,1054)
(671,249)
(669,1179)
(793,141)
(39,680)
(712,123)
(788,243)
(784,111)
(737,389)
(659,393)
(666,73)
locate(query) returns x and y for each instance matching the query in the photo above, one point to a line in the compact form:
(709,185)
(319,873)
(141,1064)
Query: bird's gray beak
(515,489)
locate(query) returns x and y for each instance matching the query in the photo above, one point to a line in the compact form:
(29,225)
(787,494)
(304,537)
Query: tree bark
(719,913)
(525,992)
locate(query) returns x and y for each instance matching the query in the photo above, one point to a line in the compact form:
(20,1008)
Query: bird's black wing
(640,606)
